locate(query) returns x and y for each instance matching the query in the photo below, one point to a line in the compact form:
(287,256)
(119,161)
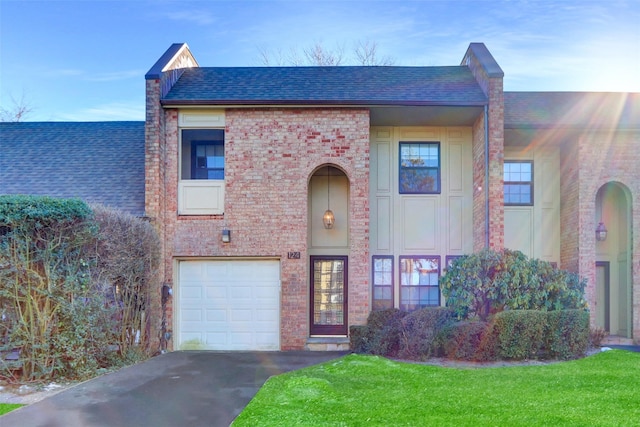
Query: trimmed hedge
(469,341)
(380,336)
(421,332)
(567,334)
(520,333)
(509,335)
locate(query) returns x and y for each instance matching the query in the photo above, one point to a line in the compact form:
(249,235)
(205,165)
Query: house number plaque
(293,255)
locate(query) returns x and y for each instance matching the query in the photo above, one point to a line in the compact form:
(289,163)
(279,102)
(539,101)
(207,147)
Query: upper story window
(202,154)
(201,186)
(518,183)
(419,167)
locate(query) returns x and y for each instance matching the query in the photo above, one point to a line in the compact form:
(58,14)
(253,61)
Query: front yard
(357,390)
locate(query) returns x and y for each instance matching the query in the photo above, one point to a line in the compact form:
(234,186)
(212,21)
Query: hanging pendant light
(601,232)
(328,218)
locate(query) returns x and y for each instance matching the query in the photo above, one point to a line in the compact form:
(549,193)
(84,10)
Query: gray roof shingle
(572,110)
(453,85)
(100,162)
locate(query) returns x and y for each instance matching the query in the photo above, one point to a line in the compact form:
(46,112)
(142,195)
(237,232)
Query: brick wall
(154,191)
(270,155)
(603,157)
(490,78)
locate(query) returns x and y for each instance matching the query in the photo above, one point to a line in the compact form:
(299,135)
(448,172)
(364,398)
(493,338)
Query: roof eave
(310,103)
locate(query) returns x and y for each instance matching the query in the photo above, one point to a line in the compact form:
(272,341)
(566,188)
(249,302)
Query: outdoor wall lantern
(601,232)
(328,219)
(226,236)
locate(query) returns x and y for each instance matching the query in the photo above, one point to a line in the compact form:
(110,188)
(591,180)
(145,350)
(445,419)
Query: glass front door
(328,295)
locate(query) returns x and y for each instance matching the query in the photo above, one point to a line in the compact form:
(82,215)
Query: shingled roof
(583,110)
(100,162)
(439,86)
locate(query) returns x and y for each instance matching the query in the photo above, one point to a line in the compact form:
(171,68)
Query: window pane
(328,291)
(382,282)
(418,180)
(419,285)
(518,182)
(419,167)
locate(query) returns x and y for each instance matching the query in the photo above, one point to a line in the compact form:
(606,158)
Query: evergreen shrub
(422,330)
(566,334)
(519,333)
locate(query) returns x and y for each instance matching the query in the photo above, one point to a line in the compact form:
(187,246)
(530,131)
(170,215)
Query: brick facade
(272,153)
(270,156)
(488,152)
(602,158)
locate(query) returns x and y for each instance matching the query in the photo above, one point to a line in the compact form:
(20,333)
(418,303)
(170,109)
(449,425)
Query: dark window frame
(383,301)
(402,170)
(529,183)
(318,329)
(411,307)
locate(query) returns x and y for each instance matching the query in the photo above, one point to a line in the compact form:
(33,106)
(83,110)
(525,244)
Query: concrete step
(338,343)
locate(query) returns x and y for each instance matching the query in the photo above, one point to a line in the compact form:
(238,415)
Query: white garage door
(228,305)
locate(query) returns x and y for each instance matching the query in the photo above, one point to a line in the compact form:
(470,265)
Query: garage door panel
(266,316)
(216,293)
(240,315)
(219,315)
(230,305)
(189,291)
(191,315)
(192,272)
(192,336)
(241,293)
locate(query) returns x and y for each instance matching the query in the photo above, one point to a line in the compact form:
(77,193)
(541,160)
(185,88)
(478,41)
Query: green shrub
(488,282)
(421,330)
(566,334)
(520,333)
(359,338)
(380,336)
(467,341)
(45,271)
(384,331)
(72,285)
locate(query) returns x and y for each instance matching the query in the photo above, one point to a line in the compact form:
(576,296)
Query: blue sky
(86,60)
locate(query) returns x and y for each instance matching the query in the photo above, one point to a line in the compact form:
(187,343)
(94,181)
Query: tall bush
(128,254)
(74,286)
(488,282)
(45,277)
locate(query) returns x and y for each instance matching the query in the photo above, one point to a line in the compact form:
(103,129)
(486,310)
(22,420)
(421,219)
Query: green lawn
(8,407)
(357,390)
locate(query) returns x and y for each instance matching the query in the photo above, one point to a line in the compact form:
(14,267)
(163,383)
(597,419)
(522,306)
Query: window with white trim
(518,183)
(202,172)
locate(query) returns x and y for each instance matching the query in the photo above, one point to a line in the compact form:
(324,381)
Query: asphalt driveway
(193,388)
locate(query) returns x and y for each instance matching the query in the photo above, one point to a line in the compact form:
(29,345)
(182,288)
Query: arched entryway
(614,299)
(328,244)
